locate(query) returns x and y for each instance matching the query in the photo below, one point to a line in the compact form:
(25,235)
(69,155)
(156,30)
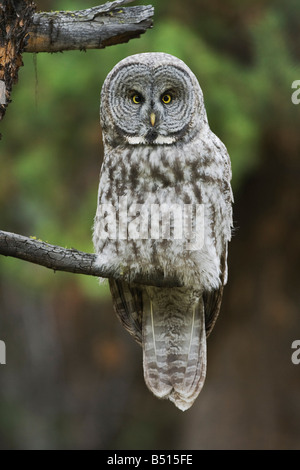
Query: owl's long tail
(174,345)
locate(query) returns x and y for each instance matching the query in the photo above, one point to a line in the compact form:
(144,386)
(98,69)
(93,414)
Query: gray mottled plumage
(174,160)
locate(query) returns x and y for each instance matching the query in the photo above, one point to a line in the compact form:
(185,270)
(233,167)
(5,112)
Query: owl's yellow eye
(166,98)
(136,98)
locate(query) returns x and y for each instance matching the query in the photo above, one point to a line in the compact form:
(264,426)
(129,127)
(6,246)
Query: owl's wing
(212,299)
(128,304)
(212,303)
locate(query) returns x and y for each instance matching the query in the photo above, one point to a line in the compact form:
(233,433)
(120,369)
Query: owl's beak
(152,119)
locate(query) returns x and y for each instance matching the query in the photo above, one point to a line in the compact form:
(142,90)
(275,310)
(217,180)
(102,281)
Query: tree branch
(94,28)
(71,260)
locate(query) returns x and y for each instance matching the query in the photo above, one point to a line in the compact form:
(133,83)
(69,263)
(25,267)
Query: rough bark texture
(70,260)
(94,28)
(15,18)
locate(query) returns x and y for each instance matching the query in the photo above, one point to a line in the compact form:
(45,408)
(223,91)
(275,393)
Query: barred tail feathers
(174,345)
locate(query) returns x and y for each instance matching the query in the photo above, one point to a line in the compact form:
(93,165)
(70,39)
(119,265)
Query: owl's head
(151,99)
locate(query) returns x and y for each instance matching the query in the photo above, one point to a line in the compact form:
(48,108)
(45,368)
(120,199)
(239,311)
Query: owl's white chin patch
(160,140)
(136,140)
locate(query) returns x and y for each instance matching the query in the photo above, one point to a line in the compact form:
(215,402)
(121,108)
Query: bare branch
(71,260)
(94,28)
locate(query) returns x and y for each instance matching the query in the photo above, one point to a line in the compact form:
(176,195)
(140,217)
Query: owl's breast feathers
(164,177)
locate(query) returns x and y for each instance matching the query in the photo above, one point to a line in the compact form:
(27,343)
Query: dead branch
(94,28)
(71,260)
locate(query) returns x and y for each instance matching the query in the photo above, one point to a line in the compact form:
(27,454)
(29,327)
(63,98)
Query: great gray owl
(164,204)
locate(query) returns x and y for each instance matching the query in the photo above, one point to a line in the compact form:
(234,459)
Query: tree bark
(15,18)
(71,260)
(94,28)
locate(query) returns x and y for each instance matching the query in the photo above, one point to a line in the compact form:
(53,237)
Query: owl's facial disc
(151,105)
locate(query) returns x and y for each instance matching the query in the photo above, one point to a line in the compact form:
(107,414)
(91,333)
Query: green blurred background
(73,378)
